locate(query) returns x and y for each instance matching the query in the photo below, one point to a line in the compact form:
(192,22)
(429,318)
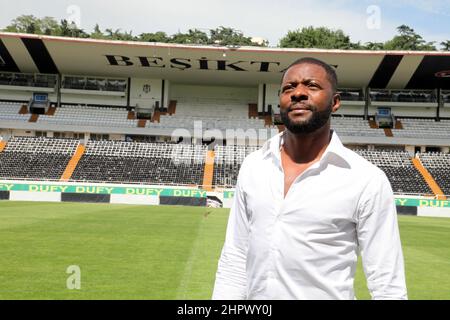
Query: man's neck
(306,148)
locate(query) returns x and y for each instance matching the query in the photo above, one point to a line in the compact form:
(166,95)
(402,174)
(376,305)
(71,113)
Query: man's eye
(286,88)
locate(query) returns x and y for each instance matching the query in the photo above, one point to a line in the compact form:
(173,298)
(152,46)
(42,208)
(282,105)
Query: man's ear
(336,102)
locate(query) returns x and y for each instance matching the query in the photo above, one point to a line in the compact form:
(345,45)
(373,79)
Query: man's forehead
(305,69)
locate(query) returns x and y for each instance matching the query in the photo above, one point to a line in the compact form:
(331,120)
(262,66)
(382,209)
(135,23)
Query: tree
(64,28)
(33,25)
(374,46)
(49,26)
(97,33)
(127,36)
(33,28)
(154,37)
(229,36)
(24,24)
(322,37)
(117,35)
(408,39)
(71,30)
(445,45)
(193,36)
(307,37)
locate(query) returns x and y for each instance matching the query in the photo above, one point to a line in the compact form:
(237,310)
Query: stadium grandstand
(93,112)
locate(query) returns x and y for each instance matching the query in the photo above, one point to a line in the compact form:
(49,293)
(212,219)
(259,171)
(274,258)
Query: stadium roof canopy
(217,65)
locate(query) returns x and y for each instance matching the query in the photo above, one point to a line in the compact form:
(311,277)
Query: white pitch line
(185,280)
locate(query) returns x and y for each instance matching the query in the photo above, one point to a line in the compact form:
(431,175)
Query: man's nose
(299,94)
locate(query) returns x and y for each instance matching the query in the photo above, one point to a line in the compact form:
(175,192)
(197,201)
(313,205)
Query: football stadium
(118,160)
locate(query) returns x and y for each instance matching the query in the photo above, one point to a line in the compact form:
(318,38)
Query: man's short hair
(331,73)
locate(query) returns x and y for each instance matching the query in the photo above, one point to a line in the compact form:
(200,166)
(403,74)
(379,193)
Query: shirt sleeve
(231,278)
(379,241)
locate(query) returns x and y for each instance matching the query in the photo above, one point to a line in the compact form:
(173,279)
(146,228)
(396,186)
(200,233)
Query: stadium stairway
(23,109)
(34,117)
(429,179)
(172,107)
(388,132)
(373,124)
(252,110)
(156,116)
(2,145)
(67,174)
(268,120)
(51,111)
(209,170)
(141,123)
(398,125)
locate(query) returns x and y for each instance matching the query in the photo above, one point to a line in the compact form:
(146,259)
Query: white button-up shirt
(305,245)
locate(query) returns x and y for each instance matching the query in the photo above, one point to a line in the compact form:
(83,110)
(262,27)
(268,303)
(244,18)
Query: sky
(362,20)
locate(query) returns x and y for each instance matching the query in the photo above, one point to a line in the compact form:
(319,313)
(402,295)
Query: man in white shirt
(305,206)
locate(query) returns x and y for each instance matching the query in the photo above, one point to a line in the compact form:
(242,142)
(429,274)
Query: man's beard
(317,120)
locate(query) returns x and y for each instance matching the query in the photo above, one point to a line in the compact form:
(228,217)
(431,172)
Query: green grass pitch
(160,252)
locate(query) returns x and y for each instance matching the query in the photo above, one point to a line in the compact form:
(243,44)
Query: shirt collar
(272,147)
